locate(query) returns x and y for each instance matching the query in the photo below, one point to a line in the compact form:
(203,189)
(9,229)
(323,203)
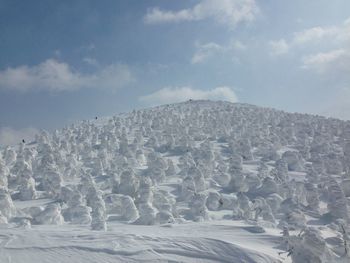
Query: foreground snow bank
(195,242)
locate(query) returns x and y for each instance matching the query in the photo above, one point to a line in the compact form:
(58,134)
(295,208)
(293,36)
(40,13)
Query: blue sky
(63,61)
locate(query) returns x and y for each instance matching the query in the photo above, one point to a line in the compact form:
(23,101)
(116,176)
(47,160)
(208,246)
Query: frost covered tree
(310,247)
(171,168)
(214,201)
(198,210)
(281,170)
(333,163)
(48,173)
(140,157)
(26,183)
(156,167)
(237,182)
(263,209)
(312,196)
(188,188)
(7,207)
(263,170)
(122,205)
(9,156)
(128,184)
(198,179)
(252,181)
(52,182)
(145,203)
(98,214)
(346,185)
(268,186)
(245,206)
(245,149)
(293,160)
(50,216)
(3,220)
(4,173)
(165,204)
(274,201)
(76,211)
(337,203)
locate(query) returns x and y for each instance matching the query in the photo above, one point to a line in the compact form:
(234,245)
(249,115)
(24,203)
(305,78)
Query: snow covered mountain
(198,181)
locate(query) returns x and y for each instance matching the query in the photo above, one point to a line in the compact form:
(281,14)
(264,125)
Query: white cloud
(323,35)
(335,60)
(53,75)
(332,37)
(315,34)
(279,47)
(227,12)
(178,94)
(207,50)
(10,136)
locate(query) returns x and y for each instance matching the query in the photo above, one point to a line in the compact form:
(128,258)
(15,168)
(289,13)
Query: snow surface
(199,181)
(213,241)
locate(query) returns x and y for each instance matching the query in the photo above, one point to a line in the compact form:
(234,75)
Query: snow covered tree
(26,183)
(164,202)
(198,210)
(144,203)
(76,212)
(262,208)
(122,205)
(294,161)
(4,173)
(7,207)
(128,184)
(9,156)
(50,216)
(337,203)
(309,247)
(98,214)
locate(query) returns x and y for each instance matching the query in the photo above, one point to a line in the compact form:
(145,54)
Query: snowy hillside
(198,181)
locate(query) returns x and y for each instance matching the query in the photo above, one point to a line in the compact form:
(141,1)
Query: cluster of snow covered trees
(184,162)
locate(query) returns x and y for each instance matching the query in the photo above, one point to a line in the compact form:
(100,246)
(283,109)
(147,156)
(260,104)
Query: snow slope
(198,181)
(193,242)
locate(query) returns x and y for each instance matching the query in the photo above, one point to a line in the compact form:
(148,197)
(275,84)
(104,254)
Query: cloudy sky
(63,61)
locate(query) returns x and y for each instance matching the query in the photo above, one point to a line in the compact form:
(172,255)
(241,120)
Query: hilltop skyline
(64,61)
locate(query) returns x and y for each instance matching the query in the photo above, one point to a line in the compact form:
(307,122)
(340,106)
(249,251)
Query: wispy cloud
(335,60)
(53,75)
(207,50)
(226,12)
(10,136)
(91,61)
(319,36)
(279,47)
(315,34)
(178,94)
